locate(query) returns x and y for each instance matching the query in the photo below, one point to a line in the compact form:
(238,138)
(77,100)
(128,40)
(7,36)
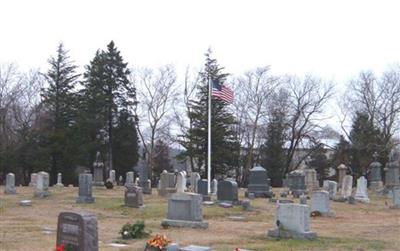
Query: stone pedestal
(258,183)
(294,222)
(59,180)
(185,210)
(375,176)
(98,169)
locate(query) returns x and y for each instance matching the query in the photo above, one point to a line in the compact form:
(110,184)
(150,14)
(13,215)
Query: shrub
(134,231)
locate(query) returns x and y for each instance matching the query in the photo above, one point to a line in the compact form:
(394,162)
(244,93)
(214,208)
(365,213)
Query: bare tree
(157,94)
(305,107)
(379,97)
(253,92)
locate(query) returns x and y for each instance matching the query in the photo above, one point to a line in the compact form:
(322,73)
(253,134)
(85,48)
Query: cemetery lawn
(354,227)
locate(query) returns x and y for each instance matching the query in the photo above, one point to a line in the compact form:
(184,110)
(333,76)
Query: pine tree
(273,156)
(107,99)
(224,145)
(58,101)
(161,159)
(365,140)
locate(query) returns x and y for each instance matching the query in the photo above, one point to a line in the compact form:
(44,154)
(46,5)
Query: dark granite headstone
(77,231)
(258,183)
(297,183)
(227,191)
(85,189)
(202,188)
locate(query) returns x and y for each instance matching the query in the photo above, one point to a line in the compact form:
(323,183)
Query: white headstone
(129,179)
(214,186)
(42,185)
(294,222)
(347,186)
(396,197)
(194,179)
(331,187)
(362,190)
(180,182)
(320,202)
(33,180)
(112,177)
(10,184)
(59,180)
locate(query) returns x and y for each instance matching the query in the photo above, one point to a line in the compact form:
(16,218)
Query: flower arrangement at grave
(134,231)
(63,247)
(158,242)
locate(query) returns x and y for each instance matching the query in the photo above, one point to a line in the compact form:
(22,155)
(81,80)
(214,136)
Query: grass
(354,227)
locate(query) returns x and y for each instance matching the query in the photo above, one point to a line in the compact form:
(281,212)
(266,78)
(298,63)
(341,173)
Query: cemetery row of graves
(182,215)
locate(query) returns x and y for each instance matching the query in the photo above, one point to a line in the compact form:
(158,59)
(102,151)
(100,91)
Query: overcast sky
(331,39)
(334,40)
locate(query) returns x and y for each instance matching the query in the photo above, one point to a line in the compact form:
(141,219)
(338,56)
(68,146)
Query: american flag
(222,92)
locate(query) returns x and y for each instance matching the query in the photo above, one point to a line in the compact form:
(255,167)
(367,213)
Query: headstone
(362,190)
(227,191)
(351,200)
(85,188)
(202,188)
(33,180)
(129,179)
(112,177)
(185,210)
(375,176)
(293,221)
(42,185)
(166,185)
(392,171)
(342,170)
(258,183)
(214,186)
(120,181)
(251,196)
(25,203)
(320,203)
(136,181)
(283,194)
(98,169)
(59,180)
(194,178)
(246,205)
(77,231)
(396,197)
(331,187)
(10,184)
(310,179)
(144,181)
(347,186)
(296,182)
(195,248)
(303,199)
(180,182)
(133,196)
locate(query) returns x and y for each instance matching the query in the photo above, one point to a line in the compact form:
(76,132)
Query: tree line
(57,120)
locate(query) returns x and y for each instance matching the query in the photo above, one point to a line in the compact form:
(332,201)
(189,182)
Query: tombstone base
(146,190)
(181,223)
(85,199)
(362,199)
(41,194)
(297,193)
(286,234)
(10,191)
(259,194)
(376,185)
(98,184)
(59,185)
(206,197)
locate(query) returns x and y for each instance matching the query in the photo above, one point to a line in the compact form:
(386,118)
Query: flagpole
(209,137)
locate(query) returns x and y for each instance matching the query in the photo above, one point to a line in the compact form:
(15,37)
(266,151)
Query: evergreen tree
(125,144)
(365,140)
(58,101)
(341,153)
(224,145)
(319,161)
(108,98)
(161,158)
(272,152)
